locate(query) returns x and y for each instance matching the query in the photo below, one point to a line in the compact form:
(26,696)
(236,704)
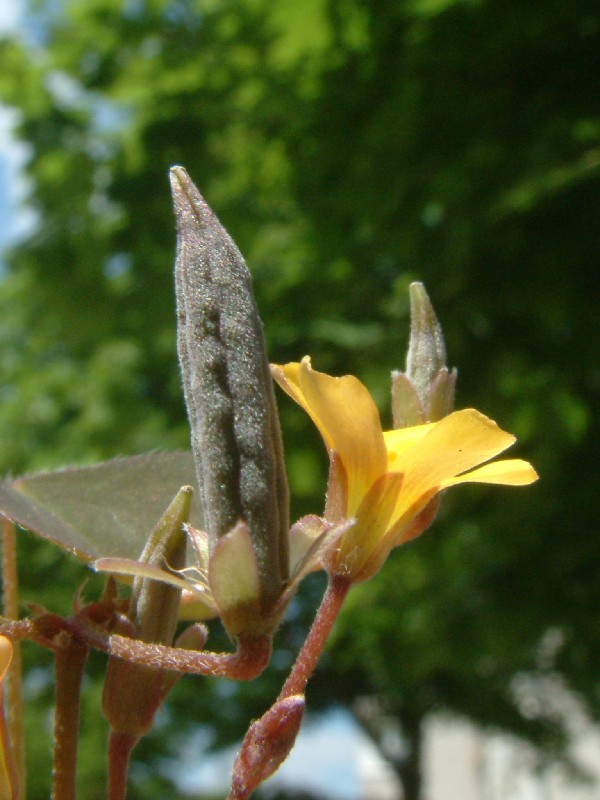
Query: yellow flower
(388,482)
(6,651)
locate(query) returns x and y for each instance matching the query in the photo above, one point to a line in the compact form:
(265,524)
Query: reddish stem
(69,667)
(305,663)
(18,629)
(120,746)
(256,759)
(248,661)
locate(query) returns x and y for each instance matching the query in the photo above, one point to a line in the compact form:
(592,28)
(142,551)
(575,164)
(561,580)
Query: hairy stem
(248,661)
(17,629)
(270,739)
(305,663)
(69,666)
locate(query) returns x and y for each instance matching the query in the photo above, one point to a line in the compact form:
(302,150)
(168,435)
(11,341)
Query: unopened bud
(228,387)
(267,744)
(425,392)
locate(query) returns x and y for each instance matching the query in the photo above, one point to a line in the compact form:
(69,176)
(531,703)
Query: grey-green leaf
(108,509)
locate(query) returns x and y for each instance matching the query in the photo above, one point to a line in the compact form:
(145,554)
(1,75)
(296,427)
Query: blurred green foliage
(349,148)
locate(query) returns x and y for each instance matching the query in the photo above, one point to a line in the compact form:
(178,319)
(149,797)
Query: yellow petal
(372,521)
(347,418)
(336,499)
(6,652)
(453,445)
(509,472)
(288,377)
(400,440)
(417,520)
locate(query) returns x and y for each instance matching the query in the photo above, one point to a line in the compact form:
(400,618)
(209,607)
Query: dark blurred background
(349,148)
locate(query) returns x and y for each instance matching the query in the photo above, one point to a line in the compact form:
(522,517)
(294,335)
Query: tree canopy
(349,148)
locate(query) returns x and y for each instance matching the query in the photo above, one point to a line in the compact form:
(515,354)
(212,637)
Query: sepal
(235,582)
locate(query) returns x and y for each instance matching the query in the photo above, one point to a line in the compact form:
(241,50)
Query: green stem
(70,664)
(14,683)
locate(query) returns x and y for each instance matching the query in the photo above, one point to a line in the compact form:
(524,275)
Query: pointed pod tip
(178,173)
(179,180)
(182,184)
(419,299)
(186,196)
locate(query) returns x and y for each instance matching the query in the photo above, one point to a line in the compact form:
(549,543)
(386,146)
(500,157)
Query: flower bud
(425,392)
(267,744)
(229,395)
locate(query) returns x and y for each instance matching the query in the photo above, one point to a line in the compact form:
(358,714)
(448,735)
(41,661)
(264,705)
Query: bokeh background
(349,147)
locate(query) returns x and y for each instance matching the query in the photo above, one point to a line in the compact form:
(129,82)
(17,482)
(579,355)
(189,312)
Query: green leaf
(105,510)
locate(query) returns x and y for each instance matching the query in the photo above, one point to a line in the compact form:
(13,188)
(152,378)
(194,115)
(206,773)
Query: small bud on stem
(425,392)
(266,746)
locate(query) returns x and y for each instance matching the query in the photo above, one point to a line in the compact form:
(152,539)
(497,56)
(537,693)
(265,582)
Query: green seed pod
(229,395)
